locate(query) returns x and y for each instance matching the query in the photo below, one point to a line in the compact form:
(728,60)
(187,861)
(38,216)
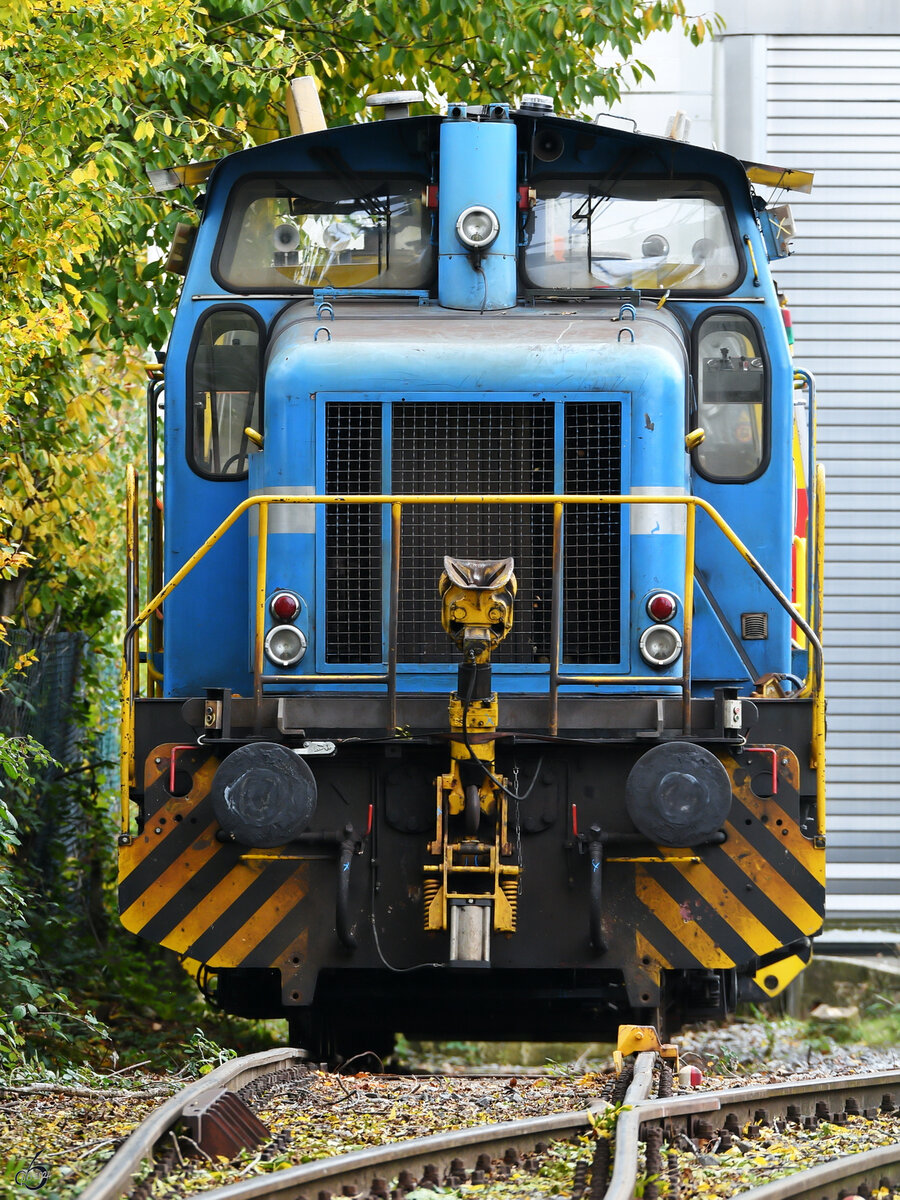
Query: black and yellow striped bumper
(761,891)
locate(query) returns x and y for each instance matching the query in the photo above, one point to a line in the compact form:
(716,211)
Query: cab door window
(224,393)
(732,387)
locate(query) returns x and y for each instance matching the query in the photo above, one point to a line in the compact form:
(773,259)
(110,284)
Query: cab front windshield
(318,231)
(636,233)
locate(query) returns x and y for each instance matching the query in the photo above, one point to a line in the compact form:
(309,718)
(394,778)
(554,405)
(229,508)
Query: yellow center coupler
(472,889)
(477,614)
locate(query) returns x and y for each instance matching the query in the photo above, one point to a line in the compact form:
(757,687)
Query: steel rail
(628,1128)
(118,1175)
(357,1168)
(830,1180)
(678,1113)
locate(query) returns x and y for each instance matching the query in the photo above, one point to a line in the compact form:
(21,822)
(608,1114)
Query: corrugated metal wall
(833,105)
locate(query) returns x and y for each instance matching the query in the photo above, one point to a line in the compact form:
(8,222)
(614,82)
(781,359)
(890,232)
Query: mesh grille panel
(476,448)
(353,534)
(459,448)
(591,549)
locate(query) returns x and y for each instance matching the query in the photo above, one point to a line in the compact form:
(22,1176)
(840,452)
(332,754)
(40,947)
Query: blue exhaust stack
(477,206)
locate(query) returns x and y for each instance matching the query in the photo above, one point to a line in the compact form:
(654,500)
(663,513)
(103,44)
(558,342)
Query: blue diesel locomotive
(483,695)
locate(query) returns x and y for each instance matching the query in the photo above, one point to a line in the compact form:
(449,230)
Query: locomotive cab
(477,707)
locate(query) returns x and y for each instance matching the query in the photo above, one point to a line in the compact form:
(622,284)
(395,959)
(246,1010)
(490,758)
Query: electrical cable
(795,680)
(480,269)
(202,980)
(467,700)
(378,950)
(397,970)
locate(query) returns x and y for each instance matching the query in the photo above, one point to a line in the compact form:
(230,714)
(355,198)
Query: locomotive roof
(395,142)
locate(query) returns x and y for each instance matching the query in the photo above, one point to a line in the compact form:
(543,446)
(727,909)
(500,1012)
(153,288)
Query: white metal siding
(833,106)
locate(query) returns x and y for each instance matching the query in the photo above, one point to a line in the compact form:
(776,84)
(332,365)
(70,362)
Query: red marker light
(285,606)
(690,1076)
(662,606)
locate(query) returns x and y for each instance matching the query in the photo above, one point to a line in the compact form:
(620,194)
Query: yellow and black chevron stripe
(761,890)
(209,901)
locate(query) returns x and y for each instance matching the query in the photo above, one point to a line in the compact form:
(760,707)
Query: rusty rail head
(222,1125)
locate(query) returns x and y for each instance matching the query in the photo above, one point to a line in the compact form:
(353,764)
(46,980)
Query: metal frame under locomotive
(346,925)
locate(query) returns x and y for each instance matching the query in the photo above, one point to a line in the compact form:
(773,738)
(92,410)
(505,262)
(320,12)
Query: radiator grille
(353,535)
(458,448)
(480,447)
(591,549)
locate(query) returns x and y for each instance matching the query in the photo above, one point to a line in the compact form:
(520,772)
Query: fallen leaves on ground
(778,1150)
(67,1135)
(318,1115)
(322,1115)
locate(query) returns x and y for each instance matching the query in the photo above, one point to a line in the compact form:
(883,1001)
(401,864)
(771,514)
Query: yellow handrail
(695,502)
(817,757)
(688,643)
(260,623)
(691,504)
(814,504)
(126,743)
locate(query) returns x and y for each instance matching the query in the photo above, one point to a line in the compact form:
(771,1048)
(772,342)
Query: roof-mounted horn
(395,104)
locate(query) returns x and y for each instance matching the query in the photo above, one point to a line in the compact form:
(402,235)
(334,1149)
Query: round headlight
(660,645)
(285,645)
(477,227)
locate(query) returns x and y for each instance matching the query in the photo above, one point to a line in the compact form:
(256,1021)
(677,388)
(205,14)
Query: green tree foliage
(67,206)
(108,88)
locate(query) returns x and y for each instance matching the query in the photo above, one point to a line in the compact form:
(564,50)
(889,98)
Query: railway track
(481,1153)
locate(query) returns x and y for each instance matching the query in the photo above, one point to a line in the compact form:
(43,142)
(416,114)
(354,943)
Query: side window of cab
(732,398)
(224,387)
